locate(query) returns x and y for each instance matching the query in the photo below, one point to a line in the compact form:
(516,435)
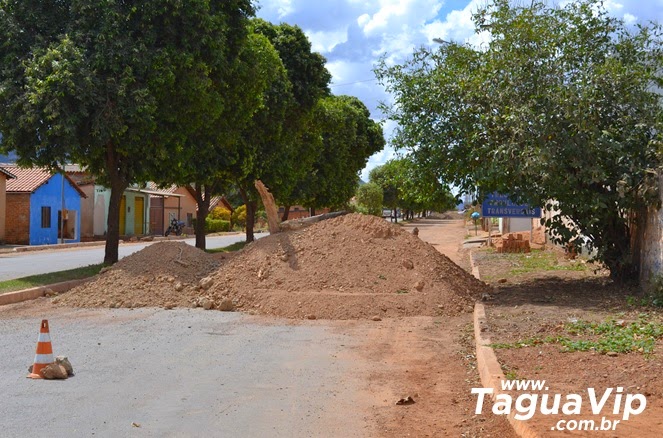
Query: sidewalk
(5,249)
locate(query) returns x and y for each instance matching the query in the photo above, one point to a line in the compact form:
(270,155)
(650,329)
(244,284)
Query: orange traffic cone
(44,354)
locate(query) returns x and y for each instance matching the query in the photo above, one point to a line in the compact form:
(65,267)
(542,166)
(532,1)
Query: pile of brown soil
(162,274)
(349,267)
(353,266)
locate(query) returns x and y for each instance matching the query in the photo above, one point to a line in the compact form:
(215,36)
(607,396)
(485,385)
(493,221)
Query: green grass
(50,278)
(602,337)
(538,261)
(230,248)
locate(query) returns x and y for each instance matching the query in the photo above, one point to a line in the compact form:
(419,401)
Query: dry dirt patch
(162,274)
(532,314)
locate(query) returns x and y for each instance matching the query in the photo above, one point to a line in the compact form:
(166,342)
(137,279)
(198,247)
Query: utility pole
(62,210)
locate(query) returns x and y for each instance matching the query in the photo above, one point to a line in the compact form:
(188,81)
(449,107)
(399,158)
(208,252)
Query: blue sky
(354,34)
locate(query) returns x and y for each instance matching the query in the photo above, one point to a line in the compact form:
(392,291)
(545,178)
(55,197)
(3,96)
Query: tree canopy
(558,109)
(410,186)
(207,157)
(272,146)
(369,198)
(349,138)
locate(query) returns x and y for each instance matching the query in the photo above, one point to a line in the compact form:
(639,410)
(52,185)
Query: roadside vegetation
(606,337)
(541,260)
(50,278)
(230,248)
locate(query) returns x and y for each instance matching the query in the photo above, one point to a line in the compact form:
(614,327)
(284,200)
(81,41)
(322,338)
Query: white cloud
(325,41)
(457,26)
(275,8)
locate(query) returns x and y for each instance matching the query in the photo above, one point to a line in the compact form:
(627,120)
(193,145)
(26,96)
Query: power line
(352,83)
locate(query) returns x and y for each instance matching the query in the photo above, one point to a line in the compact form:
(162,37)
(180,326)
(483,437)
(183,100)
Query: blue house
(41,208)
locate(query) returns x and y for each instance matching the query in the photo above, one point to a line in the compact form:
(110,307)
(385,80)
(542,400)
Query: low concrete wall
(36,292)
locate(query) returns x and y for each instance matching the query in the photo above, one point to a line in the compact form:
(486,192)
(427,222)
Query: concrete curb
(475,268)
(488,366)
(57,246)
(103,242)
(36,292)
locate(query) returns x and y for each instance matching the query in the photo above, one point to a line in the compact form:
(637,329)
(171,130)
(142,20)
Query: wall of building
(514,224)
(87,211)
(3,206)
(100,210)
(131,213)
(50,195)
(100,215)
(183,208)
(652,245)
(17,219)
(187,206)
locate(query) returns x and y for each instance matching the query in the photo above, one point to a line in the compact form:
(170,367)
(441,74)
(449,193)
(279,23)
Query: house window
(46,217)
(189,219)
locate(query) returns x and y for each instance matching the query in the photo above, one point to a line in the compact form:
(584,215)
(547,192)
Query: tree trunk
(251,208)
(286,213)
(118,185)
(250,214)
(395,216)
(202,192)
(312,211)
(270,207)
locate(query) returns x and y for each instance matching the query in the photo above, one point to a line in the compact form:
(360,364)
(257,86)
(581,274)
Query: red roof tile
(8,174)
(153,186)
(29,180)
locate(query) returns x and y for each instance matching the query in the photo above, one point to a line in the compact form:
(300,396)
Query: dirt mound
(162,274)
(349,267)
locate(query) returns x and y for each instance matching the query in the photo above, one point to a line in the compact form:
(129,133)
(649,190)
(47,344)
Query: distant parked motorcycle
(175,227)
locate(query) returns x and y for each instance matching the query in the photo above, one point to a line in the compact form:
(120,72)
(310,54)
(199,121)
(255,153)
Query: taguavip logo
(537,399)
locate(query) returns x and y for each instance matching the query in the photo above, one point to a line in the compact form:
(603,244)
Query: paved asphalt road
(180,373)
(16,265)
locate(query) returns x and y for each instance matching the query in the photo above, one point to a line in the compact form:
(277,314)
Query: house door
(139,215)
(123,215)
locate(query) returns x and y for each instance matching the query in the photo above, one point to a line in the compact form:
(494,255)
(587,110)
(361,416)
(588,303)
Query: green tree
(412,187)
(387,177)
(279,147)
(349,138)
(208,156)
(369,196)
(559,109)
(115,86)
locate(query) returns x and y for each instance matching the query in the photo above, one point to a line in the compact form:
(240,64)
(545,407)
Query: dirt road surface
(190,372)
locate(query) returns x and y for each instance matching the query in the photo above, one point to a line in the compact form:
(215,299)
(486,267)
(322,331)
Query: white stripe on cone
(44,358)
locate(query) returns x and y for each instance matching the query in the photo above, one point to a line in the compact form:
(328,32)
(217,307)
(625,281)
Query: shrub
(216,225)
(221,213)
(239,216)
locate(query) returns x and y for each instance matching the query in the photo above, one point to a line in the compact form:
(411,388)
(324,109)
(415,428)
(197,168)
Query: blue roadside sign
(496,205)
